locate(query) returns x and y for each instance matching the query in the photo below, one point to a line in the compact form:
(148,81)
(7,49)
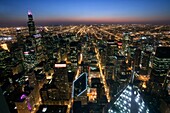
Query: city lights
(85,59)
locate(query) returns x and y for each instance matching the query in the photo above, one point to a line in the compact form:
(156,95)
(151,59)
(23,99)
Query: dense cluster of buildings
(85,69)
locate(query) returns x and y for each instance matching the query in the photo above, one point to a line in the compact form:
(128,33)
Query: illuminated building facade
(129,101)
(161,65)
(29,55)
(79,89)
(126,41)
(39,47)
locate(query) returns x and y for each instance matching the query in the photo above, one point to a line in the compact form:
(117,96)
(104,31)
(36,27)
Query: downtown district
(102,68)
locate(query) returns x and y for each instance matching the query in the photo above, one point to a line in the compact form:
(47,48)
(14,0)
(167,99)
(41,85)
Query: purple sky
(51,12)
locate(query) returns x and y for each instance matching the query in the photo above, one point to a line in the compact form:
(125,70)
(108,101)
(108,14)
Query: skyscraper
(3,105)
(31,24)
(19,36)
(161,65)
(30,50)
(129,100)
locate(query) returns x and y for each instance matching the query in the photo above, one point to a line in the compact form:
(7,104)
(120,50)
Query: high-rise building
(19,36)
(29,54)
(161,65)
(60,72)
(3,104)
(33,48)
(39,48)
(112,50)
(110,71)
(31,24)
(73,55)
(17,58)
(57,91)
(129,101)
(145,60)
(126,41)
(5,65)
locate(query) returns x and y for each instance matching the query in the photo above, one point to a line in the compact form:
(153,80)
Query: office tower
(129,100)
(17,58)
(110,71)
(29,51)
(30,24)
(79,89)
(5,65)
(161,65)
(3,104)
(19,36)
(60,72)
(57,91)
(166,84)
(102,52)
(120,67)
(112,50)
(137,57)
(145,59)
(73,55)
(50,44)
(39,48)
(61,81)
(29,54)
(126,41)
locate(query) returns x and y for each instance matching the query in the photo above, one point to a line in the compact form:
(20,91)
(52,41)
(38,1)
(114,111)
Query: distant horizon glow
(78,11)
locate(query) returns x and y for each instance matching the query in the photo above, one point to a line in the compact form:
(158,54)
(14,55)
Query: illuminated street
(87,56)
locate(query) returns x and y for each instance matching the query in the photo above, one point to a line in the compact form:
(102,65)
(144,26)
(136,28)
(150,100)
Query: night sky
(52,12)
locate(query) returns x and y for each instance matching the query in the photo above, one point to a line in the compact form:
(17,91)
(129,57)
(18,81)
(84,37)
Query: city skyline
(84,12)
(102,68)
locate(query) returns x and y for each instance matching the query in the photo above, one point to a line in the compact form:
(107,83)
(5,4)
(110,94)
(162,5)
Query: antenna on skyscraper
(29,12)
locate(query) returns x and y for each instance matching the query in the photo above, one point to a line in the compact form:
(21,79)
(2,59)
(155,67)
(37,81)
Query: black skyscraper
(31,24)
(3,105)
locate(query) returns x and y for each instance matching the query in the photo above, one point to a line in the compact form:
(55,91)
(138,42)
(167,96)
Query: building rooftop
(73,44)
(52,109)
(129,101)
(163,52)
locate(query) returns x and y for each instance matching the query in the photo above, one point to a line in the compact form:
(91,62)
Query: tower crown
(29,13)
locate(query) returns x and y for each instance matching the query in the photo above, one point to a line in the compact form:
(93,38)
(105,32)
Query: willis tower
(31,24)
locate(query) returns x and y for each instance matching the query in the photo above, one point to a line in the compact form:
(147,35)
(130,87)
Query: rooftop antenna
(29,12)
